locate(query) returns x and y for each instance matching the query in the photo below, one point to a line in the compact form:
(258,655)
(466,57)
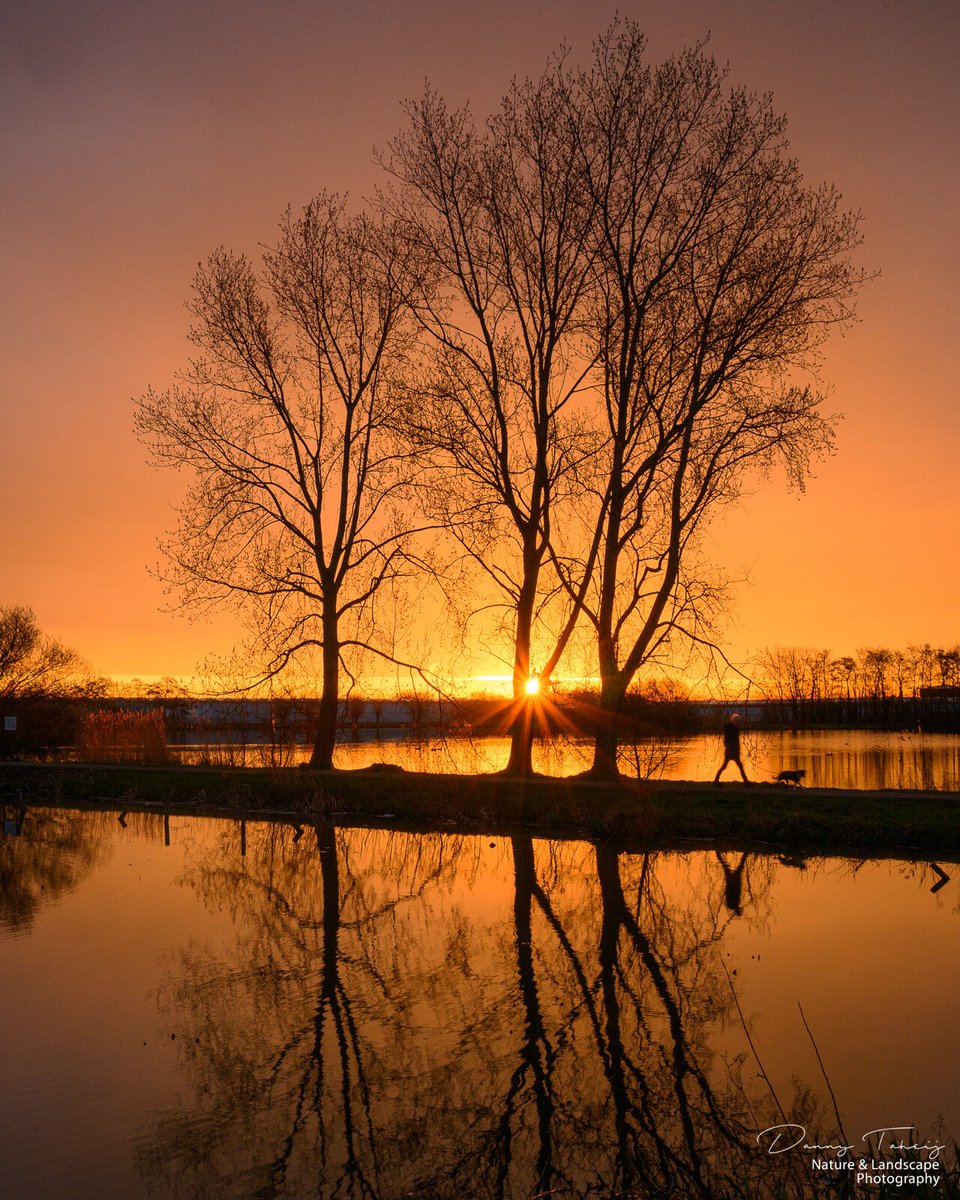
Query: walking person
(731,747)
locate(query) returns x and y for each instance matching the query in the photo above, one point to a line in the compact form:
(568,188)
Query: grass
(661,814)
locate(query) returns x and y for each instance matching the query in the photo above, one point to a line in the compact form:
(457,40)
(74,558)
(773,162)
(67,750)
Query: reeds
(123,736)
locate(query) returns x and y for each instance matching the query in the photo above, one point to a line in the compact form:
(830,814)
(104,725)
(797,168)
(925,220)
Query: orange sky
(138,138)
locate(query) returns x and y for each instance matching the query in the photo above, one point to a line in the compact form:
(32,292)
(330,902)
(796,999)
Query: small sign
(9,724)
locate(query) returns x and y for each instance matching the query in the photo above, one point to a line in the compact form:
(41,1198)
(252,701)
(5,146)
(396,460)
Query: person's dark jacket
(731,739)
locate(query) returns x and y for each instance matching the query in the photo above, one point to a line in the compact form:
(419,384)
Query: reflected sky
(276,1011)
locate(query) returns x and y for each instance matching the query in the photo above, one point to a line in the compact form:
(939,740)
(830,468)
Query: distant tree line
(873,686)
(58,705)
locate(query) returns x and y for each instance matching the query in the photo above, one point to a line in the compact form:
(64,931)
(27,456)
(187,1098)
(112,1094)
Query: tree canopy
(560,338)
(298,506)
(32,664)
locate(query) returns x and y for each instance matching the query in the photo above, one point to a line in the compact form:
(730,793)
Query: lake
(198,1008)
(850,758)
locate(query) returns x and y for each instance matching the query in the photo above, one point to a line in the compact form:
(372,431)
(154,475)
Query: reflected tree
(295,1039)
(373,1035)
(53,851)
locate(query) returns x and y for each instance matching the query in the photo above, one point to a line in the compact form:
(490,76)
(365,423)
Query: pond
(201,1008)
(849,758)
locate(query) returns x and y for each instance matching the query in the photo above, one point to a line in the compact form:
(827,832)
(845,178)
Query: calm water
(831,758)
(192,1009)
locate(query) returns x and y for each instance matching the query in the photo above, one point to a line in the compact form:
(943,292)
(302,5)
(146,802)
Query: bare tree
(502,214)
(31,663)
(296,509)
(799,679)
(637,237)
(719,275)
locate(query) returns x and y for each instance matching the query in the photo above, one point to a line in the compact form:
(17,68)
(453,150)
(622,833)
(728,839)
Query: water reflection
(377,1033)
(43,855)
(830,758)
(376,1015)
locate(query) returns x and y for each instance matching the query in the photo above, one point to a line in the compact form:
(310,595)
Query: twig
(766,1077)
(823,1071)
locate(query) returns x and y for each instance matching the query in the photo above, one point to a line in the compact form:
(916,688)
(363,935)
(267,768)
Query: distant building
(942,692)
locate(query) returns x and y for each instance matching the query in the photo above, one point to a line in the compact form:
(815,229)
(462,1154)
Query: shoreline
(648,814)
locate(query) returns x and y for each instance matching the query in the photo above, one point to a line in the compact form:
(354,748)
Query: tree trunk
(612,683)
(606,740)
(520,761)
(326,733)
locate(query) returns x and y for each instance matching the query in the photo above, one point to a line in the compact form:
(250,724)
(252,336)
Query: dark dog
(794,777)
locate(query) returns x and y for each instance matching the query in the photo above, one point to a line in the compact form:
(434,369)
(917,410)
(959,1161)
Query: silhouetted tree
(295,512)
(638,237)
(720,273)
(876,685)
(800,679)
(502,214)
(948,666)
(31,663)
(42,685)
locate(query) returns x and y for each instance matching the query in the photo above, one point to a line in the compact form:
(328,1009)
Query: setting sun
(533,686)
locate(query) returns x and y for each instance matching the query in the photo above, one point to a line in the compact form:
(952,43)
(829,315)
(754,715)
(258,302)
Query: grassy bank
(662,815)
